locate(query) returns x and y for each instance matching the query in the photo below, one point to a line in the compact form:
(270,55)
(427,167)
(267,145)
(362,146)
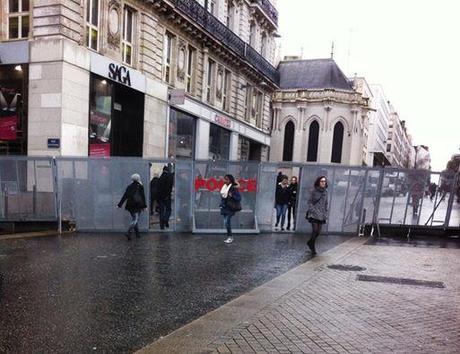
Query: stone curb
(196,336)
(27,235)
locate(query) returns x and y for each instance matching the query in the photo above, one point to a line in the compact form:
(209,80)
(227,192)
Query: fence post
(451,199)
(57,198)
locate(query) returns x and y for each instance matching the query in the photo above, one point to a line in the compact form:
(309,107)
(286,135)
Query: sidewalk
(315,309)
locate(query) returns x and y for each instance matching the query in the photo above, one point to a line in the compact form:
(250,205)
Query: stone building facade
(318,115)
(399,143)
(151,78)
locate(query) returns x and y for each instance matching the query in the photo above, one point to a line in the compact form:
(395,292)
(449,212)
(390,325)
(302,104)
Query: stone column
(234,141)
(202,139)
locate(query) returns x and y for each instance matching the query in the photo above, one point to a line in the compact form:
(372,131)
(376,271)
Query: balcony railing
(200,16)
(268,8)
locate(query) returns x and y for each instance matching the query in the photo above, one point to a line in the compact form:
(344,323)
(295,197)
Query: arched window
(313,135)
(337,143)
(288,141)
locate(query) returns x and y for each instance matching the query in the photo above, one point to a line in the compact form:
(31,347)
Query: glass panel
(95,12)
(13,27)
(93,39)
(127,53)
(219,143)
(25,26)
(14,6)
(181,135)
(25,5)
(100,117)
(129,26)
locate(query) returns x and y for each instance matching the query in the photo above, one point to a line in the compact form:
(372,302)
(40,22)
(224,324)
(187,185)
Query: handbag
(233,205)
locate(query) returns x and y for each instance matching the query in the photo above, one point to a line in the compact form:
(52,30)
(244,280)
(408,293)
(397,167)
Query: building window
(212,7)
(190,77)
(263,45)
(252,35)
(288,147)
(388,147)
(247,103)
(226,91)
(181,135)
(258,107)
(313,137)
(230,21)
(92,24)
(127,43)
(337,143)
(210,80)
(168,57)
(219,143)
(18,19)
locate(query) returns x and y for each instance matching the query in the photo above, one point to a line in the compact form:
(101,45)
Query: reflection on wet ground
(98,292)
(417,241)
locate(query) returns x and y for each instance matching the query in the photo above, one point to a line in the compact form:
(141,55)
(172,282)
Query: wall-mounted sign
(177,96)
(213,184)
(117,72)
(223,121)
(54,143)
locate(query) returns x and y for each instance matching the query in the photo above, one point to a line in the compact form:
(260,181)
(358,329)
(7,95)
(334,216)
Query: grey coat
(317,204)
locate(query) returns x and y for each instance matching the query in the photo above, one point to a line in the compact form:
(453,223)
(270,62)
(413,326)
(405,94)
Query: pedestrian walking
(153,194)
(282,198)
(317,210)
(230,203)
(134,197)
(165,186)
(293,187)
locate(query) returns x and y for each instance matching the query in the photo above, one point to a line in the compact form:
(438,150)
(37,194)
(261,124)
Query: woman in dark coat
(317,210)
(135,203)
(229,191)
(282,199)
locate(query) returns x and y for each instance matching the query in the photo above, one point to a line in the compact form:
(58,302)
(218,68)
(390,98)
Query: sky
(410,47)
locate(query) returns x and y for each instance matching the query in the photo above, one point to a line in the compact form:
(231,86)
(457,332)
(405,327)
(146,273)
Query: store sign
(99,150)
(117,72)
(223,121)
(212,184)
(8,127)
(120,74)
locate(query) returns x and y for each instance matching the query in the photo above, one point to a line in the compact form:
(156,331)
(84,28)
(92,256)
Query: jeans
(133,225)
(291,209)
(281,213)
(165,212)
(228,224)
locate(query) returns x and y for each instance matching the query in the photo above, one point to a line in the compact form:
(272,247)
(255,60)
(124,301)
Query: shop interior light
(104,82)
(18,68)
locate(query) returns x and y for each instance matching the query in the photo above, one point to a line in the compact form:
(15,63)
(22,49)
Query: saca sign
(119,73)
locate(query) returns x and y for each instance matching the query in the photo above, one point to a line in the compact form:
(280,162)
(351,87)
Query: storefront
(219,143)
(116,109)
(14,76)
(250,150)
(182,131)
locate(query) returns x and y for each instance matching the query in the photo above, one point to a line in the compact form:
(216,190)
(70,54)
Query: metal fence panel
(266,185)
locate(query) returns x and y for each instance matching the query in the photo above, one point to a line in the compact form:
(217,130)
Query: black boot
(128,234)
(138,235)
(311,245)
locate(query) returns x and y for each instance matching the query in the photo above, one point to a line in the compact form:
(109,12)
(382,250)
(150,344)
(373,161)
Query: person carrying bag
(230,203)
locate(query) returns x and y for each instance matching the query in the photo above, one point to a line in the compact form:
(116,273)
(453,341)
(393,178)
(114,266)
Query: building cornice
(325,96)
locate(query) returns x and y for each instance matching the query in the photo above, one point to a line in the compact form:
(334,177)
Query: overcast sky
(411,47)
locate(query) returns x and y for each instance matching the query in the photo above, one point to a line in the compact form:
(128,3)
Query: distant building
(318,115)
(399,143)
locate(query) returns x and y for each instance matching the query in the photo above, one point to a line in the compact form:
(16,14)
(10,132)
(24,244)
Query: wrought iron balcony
(200,16)
(268,9)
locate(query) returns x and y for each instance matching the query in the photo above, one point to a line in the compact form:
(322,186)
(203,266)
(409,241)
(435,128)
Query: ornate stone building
(152,78)
(318,116)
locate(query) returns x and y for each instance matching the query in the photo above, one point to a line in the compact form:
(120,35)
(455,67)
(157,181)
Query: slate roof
(312,74)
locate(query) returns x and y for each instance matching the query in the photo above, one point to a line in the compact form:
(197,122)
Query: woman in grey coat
(317,210)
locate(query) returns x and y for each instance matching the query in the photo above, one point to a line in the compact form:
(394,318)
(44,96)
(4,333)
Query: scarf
(224,190)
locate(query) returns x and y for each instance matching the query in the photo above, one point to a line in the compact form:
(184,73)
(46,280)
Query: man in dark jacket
(153,193)
(293,187)
(165,186)
(135,203)
(282,198)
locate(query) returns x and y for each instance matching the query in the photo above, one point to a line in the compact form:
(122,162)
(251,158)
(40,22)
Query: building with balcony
(399,143)
(318,115)
(152,78)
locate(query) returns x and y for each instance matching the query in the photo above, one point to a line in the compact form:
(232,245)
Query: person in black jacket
(135,203)
(282,198)
(165,186)
(153,193)
(293,187)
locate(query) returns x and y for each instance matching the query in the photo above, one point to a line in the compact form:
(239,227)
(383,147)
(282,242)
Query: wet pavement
(100,293)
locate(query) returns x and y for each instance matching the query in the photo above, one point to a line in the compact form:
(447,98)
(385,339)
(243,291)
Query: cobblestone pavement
(330,311)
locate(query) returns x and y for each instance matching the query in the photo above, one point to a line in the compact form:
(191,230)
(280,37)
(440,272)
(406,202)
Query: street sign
(54,143)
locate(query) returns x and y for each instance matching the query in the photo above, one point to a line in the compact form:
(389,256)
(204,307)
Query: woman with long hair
(317,210)
(230,203)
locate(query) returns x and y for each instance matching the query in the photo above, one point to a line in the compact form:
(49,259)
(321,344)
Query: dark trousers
(165,212)
(291,209)
(228,224)
(134,224)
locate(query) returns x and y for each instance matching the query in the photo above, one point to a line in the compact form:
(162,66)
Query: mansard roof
(312,74)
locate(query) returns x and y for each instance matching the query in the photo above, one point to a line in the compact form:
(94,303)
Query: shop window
(219,143)
(337,143)
(313,136)
(190,77)
(13,109)
(226,91)
(100,117)
(181,135)
(210,80)
(92,24)
(250,150)
(128,30)
(168,57)
(288,147)
(18,19)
